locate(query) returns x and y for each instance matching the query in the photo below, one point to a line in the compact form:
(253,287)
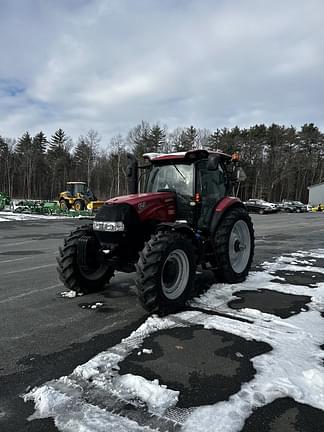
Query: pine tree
(156,140)
(39,180)
(214,140)
(40,142)
(186,140)
(59,161)
(24,152)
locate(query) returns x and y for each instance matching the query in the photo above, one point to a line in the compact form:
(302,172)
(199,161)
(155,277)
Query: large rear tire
(90,276)
(165,272)
(234,246)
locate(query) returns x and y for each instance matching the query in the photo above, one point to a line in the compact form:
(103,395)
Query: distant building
(316,194)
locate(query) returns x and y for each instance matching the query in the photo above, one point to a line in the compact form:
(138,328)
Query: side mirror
(213,162)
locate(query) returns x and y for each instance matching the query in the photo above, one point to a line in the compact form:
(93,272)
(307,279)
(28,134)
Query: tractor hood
(159,206)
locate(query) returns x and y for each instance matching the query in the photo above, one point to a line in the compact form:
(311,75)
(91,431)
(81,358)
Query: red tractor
(185,217)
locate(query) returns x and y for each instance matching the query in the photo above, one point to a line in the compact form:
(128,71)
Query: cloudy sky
(108,64)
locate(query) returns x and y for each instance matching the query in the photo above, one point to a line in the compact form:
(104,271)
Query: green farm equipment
(47,208)
(4,200)
(43,207)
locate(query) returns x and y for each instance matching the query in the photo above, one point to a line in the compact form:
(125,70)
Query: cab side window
(211,184)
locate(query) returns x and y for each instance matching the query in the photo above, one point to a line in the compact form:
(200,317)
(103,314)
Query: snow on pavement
(293,368)
(6,216)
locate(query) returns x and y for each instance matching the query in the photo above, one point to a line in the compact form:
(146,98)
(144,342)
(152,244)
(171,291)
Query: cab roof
(189,155)
(78,182)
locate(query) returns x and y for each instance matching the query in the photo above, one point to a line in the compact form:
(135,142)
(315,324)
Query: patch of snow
(293,368)
(72,414)
(11,216)
(68,294)
(157,398)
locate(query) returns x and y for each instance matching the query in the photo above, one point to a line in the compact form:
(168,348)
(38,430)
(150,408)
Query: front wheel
(234,246)
(165,272)
(87,274)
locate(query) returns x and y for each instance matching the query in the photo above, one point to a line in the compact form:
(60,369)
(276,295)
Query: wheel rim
(77,206)
(239,246)
(175,274)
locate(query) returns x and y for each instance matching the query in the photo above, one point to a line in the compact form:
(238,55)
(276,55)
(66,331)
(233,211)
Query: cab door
(212,186)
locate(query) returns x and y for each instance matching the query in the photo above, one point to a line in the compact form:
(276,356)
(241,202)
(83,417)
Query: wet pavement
(285,415)
(206,365)
(205,360)
(272,302)
(303,278)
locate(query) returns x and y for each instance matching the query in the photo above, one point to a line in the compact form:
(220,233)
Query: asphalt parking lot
(45,336)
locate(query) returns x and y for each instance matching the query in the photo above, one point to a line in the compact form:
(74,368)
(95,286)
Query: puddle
(304,278)
(196,361)
(268,301)
(285,415)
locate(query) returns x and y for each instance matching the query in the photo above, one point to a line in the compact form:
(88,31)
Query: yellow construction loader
(78,197)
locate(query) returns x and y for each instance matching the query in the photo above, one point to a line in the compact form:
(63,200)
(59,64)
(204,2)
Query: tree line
(280,162)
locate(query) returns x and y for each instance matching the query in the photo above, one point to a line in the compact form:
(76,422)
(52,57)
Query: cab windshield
(174,178)
(75,188)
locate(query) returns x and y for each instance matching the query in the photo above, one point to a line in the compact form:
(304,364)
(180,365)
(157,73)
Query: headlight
(108,226)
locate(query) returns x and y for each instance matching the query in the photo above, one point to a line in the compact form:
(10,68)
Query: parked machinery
(185,217)
(78,197)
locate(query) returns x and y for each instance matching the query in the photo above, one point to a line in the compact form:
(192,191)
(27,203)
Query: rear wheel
(87,273)
(234,246)
(165,272)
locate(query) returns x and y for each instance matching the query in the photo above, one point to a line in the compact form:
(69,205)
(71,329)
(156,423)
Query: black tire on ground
(64,205)
(82,278)
(234,246)
(79,205)
(261,211)
(166,271)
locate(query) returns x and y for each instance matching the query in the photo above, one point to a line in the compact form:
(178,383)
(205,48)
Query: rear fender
(222,208)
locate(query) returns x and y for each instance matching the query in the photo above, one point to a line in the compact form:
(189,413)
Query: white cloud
(108,65)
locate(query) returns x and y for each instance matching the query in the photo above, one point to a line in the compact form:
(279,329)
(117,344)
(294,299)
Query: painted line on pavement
(29,269)
(18,243)
(26,257)
(12,260)
(12,298)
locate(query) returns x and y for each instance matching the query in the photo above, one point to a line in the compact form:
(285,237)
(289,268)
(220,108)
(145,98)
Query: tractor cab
(198,179)
(76,188)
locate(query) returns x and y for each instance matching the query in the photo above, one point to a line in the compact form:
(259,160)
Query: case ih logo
(141,205)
